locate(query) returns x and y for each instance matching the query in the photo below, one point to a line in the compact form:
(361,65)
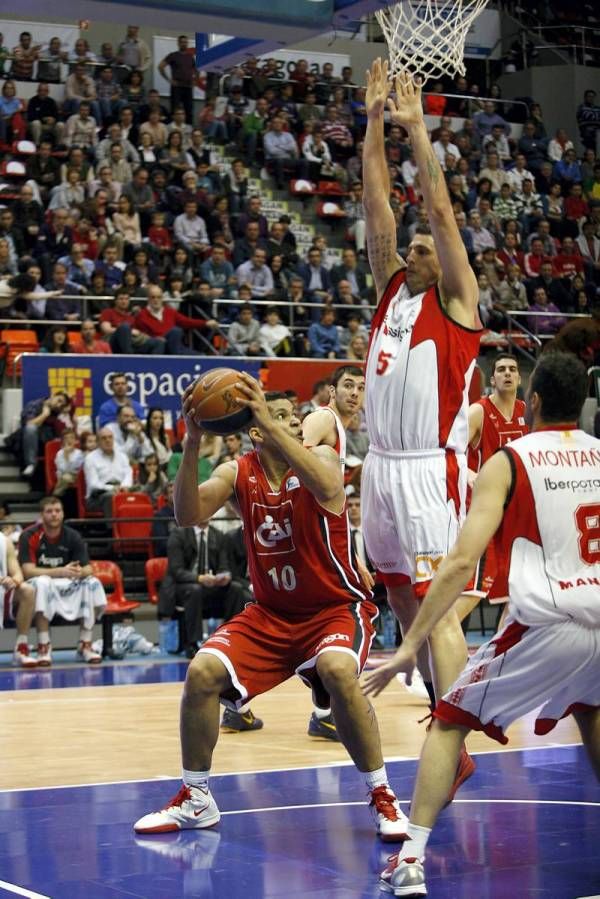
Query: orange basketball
(216,402)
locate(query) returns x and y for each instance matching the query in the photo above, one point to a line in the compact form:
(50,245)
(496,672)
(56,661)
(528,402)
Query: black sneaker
(323,727)
(233,722)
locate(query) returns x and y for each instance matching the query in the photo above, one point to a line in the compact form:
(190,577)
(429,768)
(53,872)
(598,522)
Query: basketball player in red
(540,496)
(327,427)
(494,421)
(422,353)
(312,614)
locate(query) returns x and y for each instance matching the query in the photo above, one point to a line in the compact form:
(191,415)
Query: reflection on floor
(526,825)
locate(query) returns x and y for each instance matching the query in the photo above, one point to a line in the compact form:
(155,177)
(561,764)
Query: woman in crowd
(56,340)
(151,479)
(155,431)
(126,222)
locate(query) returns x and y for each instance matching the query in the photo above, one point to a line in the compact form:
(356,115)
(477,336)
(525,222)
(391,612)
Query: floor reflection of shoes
(198,849)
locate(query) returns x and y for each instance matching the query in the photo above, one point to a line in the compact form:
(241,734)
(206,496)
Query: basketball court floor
(87,751)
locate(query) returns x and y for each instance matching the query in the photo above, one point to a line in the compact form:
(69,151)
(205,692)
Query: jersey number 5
(587,519)
(283,580)
(383,360)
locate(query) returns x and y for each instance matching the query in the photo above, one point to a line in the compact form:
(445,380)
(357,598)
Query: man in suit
(317,280)
(199,581)
(349,270)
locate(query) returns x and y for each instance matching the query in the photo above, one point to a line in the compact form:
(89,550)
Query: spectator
(182,75)
(157,436)
(134,92)
(111,267)
(518,173)
(338,136)
(532,147)
(156,130)
(354,326)
(43,118)
(275,337)
(80,88)
(558,145)
(568,262)
(140,193)
(480,236)
(256,274)
(281,150)
(544,324)
(543,233)
(114,136)
(194,553)
(190,229)
(323,336)
(69,195)
(350,270)
(129,435)
(163,522)
(243,334)
(219,273)
(109,95)
(90,343)
(151,479)
(505,205)
(317,280)
(55,562)
(8,263)
(173,158)
(355,216)
(245,247)
(357,348)
(56,340)
(589,247)
(317,153)
(588,120)
(51,62)
(68,461)
(158,320)
(78,269)
(497,142)
(534,259)
(126,222)
(444,147)
(107,472)
(530,205)
(484,121)
(511,293)
(567,170)
(233,448)
(133,52)
(40,422)
(253,214)
(24,57)
(81,128)
(109,409)
(556,291)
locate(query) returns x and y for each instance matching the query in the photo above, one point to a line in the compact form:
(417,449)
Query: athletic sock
(430,692)
(377,778)
(416,844)
(21,638)
(244,708)
(195,778)
(85,635)
(43,637)
(321,713)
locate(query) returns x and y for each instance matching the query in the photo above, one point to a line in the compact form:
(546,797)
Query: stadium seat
(18,342)
(111,576)
(51,448)
(156,570)
(75,339)
(132,536)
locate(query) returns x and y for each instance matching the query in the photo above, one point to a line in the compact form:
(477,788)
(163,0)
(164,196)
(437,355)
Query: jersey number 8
(587,518)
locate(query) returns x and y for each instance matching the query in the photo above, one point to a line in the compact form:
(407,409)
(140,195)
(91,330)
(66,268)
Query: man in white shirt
(129,435)
(482,238)
(190,228)
(281,150)
(443,147)
(519,173)
(107,471)
(256,275)
(113,136)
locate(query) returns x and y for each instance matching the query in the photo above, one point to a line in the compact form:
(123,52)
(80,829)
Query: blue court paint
(106,675)
(78,842)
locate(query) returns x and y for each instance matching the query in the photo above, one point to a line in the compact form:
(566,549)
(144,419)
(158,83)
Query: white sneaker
(87,654)
(390,820)
(21,657)
(44,655)
(417,687)
(403,878)
(192,808)
(28,471)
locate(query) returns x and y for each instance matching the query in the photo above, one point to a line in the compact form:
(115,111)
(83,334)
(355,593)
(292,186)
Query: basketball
(216,404)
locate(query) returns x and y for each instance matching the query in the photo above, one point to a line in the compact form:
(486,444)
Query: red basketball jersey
(497,431)
(299,554)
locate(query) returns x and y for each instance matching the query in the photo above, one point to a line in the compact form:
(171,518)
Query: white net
(426,37)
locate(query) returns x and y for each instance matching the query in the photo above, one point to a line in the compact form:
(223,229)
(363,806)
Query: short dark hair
(503,356)
(343,370)
(50,501)
(318,385)
(115,375)
(561,382)
(423,229)
(272,395)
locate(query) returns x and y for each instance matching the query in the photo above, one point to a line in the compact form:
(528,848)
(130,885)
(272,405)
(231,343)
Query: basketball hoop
(427,37)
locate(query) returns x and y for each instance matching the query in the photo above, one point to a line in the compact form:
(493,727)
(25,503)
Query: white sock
(377,778)
(85,635)
(21,638)
(195,778)
(244,708)
(321,713)
(416,844)
(43,637)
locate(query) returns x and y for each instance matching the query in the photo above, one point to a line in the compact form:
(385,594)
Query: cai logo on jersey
(272,527)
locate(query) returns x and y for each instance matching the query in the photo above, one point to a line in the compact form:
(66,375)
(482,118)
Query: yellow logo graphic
(77,383)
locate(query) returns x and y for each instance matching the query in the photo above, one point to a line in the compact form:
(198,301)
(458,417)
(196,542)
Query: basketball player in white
(540,496)
(327,426)
(422,353)
(17,600)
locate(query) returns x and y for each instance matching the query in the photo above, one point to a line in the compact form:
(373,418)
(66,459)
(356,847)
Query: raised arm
(380,221)
(458,284)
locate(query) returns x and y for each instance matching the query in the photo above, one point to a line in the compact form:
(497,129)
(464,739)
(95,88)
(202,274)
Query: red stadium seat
(18,342)
(111,576)
(50,450)
(132,536)
(156,570)
(80,489)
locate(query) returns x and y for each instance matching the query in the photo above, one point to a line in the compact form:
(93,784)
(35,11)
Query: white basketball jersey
(548,544)
(418,373)
(3,558)
(340,444)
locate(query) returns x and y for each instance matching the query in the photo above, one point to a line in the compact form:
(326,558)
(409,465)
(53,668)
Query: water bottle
(389,628)
(168,635)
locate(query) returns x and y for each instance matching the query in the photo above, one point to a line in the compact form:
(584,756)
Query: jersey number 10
(284,579)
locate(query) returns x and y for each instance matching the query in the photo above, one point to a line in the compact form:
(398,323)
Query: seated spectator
(80,129)
(163,522)
(52,59)
(355,216)
(532,147)
(159,236)
(233,448)
(126,222)
(256,275)
(357,439)
(253,213)
(44,169)
(275,338)
(534,258)
(143,266)
(157,436)
(173,158)
(567,170)
(345,296)
(151,479)
(158,320)
(281,151)
(357,348)
(12,121)
(109,409)
(243,334)
(67,462)
(111,267)
(107,472)
(17,599)
(121,170)
(505,206)
(497,141)
(556,291)
(484,121)
(542,232)
(316,151)
(40,422)
(509,253)
(511,292)
(65,305)
(568,262)
(69,195)
(43,119)
(354,326)
(78,269)
(350,270)
(219,273)
(90,343)
(190,229)
(323,336)
(140,192)
(338,136)
(80,88)
(114,136)
(589,247)
(24,57)
(317,279)
(55,562)
(576,210)
(134,92)
(28,216)
(443,147)
(109,95)
(55,341)
(8,263)
(544,324)
(480,236)
(194,554)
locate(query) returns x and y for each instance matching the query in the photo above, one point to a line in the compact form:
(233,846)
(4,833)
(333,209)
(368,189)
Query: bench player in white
(541,497)
(422,353)
(327,427)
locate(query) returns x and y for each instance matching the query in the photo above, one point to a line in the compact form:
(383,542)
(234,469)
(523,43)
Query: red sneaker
(21,657)
(44,655)
(466,767)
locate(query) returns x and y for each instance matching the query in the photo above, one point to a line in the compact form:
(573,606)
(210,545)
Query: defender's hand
(378,88)
(406,108)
